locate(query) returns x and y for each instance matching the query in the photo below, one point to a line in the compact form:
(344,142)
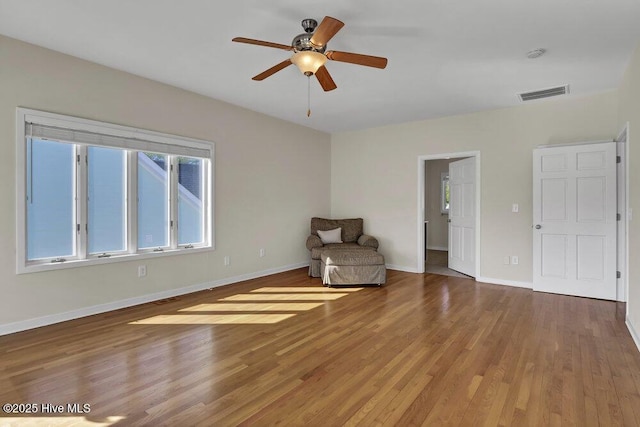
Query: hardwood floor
(283,350)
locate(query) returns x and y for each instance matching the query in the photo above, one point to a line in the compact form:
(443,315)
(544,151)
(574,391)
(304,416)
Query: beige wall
(629,111)
(374,174)
(438,236)
(266,189)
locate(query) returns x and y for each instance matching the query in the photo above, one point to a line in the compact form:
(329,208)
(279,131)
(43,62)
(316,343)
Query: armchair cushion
(316,252)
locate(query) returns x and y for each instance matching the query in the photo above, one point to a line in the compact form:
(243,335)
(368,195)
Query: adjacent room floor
(423,349)
(437,263)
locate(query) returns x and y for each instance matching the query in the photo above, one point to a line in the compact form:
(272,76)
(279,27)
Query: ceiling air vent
(545,93)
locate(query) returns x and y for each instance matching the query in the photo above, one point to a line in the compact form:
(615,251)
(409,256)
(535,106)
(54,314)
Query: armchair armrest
(366,240)
(314,241)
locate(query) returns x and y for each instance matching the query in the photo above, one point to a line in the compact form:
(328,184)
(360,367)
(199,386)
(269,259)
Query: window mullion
(81,201)
(132,201)
(173,202)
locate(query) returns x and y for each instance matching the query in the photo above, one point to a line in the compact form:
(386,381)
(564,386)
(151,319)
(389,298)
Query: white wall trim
(633,332)
(403,268)
(513,283)
(571,144)
(23,325)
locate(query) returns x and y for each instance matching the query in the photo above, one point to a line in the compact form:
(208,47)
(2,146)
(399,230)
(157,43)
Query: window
(153,201)
(191,213)
(92,192)
(51,216)
(444,193)
(106,199)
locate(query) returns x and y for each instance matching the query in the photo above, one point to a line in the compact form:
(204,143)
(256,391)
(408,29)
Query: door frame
(625,213)
(422,159)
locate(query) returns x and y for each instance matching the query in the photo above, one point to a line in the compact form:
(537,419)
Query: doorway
(437,216)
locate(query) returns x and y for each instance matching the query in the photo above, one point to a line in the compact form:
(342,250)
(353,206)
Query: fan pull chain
(308,96)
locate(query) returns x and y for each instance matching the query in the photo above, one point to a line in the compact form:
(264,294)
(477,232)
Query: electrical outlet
(142,270)
(506,260)
(227,261)
(514,259)
(515,208)
(261,252)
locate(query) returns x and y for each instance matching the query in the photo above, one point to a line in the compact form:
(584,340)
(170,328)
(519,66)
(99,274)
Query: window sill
(35,268)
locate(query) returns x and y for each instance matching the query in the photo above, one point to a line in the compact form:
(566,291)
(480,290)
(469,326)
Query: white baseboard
(401,268)
(438,248)
(633,332)
(514,283)
(23,325)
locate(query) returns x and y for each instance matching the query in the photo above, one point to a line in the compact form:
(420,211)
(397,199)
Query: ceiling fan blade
(262,43)
(263,75)
(325,79)
(326,30)
(356,58)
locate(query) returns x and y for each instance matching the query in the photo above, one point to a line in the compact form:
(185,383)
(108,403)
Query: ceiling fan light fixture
(308,61)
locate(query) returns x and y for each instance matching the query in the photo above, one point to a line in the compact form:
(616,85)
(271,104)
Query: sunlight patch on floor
(213,319)
(59,421)
(284,297)
(255,306)
(294,289)
(251,308)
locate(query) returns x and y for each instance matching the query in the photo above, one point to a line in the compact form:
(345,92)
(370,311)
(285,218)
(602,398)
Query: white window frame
(156,140)
(444,182)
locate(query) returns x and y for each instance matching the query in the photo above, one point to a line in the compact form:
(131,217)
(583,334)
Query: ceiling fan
(310,52)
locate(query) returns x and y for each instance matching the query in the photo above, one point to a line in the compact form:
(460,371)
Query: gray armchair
(351,234)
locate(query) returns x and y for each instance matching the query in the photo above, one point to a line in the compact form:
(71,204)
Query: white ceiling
(445,56)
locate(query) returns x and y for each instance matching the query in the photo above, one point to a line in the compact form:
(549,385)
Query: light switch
(515,208)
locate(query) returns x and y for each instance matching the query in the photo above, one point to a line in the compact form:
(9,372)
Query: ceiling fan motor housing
(309,25)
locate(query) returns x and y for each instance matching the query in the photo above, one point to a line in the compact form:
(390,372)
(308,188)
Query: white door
(462,220)
(574,217)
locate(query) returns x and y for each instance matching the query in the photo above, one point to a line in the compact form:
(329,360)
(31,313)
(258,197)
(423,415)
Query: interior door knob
(538,226)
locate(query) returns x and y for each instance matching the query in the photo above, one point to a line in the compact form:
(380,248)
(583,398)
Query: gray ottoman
(345,267)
